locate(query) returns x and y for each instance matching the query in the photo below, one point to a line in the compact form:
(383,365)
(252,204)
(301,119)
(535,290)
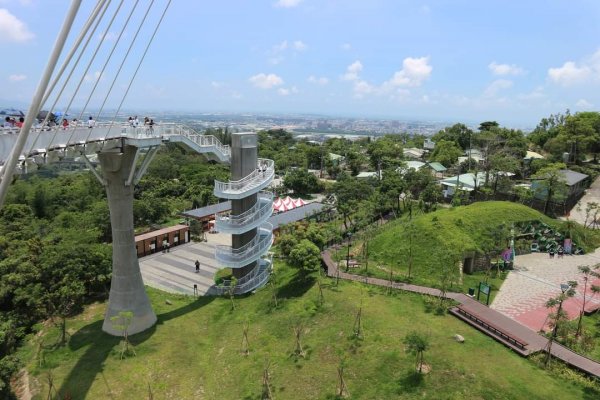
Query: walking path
(592,195)
(537,278)
(493,323)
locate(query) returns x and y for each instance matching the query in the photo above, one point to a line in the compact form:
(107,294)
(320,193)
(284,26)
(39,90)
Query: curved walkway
(491,322)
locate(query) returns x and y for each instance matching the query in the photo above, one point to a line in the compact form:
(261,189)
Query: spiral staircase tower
(251,207)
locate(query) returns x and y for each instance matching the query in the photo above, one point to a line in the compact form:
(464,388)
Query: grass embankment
(195,351)
(456,230)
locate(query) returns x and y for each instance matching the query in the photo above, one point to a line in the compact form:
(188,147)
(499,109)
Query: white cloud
(414,71)
(505,69)
(280,47)
(346,46)
(216,84)
(535,94)
(320,81)
(17,77)
(569,74)
(584,104)
(362,88)
(108,36)
(13,29)
(92,78)
(497,86)
(265,81)
(352,71)
(300,45)
(287,91)
(287,3)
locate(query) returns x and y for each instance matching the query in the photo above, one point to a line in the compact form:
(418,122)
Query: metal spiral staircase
(255,218)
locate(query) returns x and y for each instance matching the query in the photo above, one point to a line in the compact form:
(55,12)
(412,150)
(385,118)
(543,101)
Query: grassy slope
(458,229)
(194,352)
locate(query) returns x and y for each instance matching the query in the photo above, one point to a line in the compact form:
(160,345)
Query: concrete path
(175,271)
(592,194)
(536,279)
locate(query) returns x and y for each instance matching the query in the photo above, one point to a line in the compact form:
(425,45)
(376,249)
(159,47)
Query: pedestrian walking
(197,266)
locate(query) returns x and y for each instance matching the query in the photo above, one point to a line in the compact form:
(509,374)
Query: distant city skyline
(513,62)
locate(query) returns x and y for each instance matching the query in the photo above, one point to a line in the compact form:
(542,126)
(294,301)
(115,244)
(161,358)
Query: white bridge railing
(79,139)
(258,179)
(250,219)
(253,280)
(228,257)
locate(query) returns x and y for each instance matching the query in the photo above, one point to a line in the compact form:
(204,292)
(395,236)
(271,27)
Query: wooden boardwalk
(507,331)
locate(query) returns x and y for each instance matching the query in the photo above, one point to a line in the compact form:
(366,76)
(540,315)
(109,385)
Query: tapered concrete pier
(127,292)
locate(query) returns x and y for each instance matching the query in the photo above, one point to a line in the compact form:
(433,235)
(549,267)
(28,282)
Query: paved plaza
(175,271)
(592,195)
(536,279)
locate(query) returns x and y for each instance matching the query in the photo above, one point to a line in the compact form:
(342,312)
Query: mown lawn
(194,352)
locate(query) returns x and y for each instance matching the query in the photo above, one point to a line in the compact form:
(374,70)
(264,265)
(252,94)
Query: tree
(286,243)
(430,196)
(121,322)
(488,125)
(305,256)
(587,273)
(459,134)
(302,182)
(550,183)
(557,318)
(446,153)
(417,344)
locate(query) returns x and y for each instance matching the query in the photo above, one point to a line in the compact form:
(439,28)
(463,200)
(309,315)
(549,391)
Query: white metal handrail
(264,172)
(81,139)
(255,279)
(237,258)
(263,206)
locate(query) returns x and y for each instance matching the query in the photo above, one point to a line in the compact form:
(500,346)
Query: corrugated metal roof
(572,177)
(297,214)
(437,166)
(208,210)
(159,232)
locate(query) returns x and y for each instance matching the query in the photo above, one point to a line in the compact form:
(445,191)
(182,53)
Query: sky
(457,60)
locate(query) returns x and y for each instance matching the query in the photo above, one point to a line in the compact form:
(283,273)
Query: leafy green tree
(302,182)
(286,243)
(385,152)
(305,256)
(417,344)
(446,152)
(587,273)
(431,195)
(550,183)
(488,125)
(459,134)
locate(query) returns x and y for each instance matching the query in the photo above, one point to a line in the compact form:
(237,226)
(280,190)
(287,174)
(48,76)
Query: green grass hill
(456,230)
(194,351)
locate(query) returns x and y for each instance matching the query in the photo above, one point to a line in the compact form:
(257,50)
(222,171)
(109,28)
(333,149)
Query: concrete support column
(244,154)
(127,292)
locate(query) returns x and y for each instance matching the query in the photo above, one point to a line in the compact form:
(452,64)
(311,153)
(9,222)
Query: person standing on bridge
(91,122)
(197,266)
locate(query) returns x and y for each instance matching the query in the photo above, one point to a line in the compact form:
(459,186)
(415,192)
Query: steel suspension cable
(107,59)
(122,63)
(140,63)
(106,4)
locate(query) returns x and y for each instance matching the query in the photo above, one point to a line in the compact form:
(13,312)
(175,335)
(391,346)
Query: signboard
(483,288)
